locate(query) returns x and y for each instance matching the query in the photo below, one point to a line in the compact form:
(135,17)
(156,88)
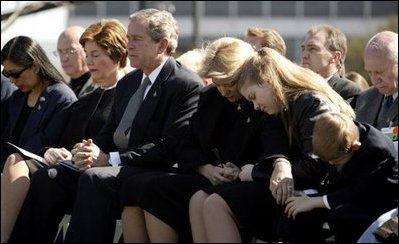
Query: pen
(218,158)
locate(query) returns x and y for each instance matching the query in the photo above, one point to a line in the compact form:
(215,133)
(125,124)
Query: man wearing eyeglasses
(72,58)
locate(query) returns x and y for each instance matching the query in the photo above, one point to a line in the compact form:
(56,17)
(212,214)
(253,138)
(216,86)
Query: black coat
(348,90)
(241,134)
(89,114)
(161,120)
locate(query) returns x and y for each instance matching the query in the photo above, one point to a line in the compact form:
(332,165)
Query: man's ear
(356,146)
(336,56)
(164,43)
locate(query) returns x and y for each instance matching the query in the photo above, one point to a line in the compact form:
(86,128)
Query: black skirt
(166,195)
(253,206)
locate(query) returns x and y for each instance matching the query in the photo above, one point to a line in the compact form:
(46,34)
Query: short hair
(333,135)
(335,41)
(358,79)
(25,51)
(269,38)
(111,35)
(159,24)
(385,43)
(223,57)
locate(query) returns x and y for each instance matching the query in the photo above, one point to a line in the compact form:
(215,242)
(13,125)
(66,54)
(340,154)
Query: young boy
(359,187)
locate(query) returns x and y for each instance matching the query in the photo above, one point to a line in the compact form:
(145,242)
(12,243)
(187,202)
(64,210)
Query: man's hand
(87,154)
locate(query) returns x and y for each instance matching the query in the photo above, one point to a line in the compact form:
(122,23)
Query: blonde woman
(297,95)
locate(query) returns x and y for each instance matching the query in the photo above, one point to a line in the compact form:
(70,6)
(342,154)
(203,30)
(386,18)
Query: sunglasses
(14,75)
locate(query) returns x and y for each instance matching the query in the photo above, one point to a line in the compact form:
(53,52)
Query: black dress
(234,129)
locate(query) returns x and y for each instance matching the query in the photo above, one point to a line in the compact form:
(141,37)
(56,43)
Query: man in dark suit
(324,51)
(378,105)
(169,100)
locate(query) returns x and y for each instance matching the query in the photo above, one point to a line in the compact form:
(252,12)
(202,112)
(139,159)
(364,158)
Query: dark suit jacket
(346,88)
(89,114)
(370,177)
(7,88)
(161,120)
(45,123)
(368,107)
(255,137)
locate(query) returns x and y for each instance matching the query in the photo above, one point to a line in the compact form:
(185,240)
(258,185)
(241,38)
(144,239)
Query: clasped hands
(86,154)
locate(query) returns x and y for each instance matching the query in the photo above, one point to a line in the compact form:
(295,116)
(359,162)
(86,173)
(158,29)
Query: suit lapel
(150,102)
(393,111)
(374,108)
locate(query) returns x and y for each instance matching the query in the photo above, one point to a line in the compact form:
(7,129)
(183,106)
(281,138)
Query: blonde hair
(335,41)
(192,59)
(223,57)
(269,38)
(287,79)
(333,135)
(358,79)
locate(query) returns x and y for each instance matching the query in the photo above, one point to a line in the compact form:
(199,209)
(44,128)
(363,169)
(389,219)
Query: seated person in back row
(378,105)
(360,186)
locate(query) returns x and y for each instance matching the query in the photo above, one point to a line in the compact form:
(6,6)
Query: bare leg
(219,221)
(197,217)
(159,231)
(14,187)
(133,225)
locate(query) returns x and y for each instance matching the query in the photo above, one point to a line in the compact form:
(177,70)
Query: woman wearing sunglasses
(37,112)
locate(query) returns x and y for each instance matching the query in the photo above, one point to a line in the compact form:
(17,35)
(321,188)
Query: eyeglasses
(66,53)
(14,75)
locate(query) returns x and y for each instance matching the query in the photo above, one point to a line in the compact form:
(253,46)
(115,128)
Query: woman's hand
(281,182)
(215,174)
(52,155)
(303,203)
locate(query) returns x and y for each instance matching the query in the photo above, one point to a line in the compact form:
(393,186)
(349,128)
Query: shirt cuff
(114,159)
(325,201)
(310,192)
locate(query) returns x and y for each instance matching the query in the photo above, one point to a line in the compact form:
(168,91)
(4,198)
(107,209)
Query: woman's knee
(198,198)
(12,160)
(15,164)
(215,202)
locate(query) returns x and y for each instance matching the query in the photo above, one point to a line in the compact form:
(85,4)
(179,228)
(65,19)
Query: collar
(154,74)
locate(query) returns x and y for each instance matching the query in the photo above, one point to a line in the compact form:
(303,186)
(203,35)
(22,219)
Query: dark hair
(25,51)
